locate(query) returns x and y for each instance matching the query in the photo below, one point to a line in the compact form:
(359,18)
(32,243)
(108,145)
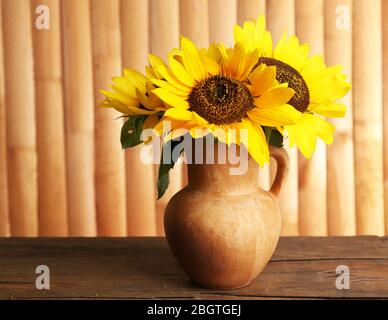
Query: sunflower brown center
(286,73)
(221,100)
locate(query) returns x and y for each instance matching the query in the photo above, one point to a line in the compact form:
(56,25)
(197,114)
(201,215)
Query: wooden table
(144,268)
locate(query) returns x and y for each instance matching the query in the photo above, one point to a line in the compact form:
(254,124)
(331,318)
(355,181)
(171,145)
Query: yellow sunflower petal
(175,54)
(123,85)
(171,99)
(213,52)
(166,85)
(257,145)
(180,73)
(304,136)
(274,97)
(237,63)
(212,66)
(305,132)
(192,60)
(276,116)
(141,97)
(121,98)
(155,62)
(253,35)
(136,78)
(117,106)
(327,84)
(179,114)
(168,76)
(127,110)
(262,79)
(291,52)
(199,119)
(151,73)
(329,109)
(324,129)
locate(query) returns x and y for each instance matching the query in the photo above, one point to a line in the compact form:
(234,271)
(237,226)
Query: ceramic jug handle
(281,157)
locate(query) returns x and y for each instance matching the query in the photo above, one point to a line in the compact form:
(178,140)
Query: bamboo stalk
(368,135)
(50,124)
(164,35)
(194,24)
(250,9)
(109,157)
(222,18)
(4,207)
(312,172)
(141,215)
(194,21)
(340,164)
(79,113)
(20,113)
(280,19)
(384,10)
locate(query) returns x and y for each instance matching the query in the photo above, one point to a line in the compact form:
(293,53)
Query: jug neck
(234,174)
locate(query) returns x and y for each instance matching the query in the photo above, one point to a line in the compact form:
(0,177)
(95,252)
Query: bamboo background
(62,170)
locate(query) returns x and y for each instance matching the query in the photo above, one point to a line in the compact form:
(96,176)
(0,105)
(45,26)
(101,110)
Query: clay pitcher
(223,228)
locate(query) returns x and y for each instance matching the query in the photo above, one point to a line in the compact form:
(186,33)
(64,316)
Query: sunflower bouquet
(272,92)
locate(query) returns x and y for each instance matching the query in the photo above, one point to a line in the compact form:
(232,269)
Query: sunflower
(317,87)
(219,89)
(132,95)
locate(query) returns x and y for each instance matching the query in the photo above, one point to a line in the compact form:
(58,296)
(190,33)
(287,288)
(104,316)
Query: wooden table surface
(131,268)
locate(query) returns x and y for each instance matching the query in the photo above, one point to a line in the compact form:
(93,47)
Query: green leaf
(165,167)
(267,133)
(162,184)
(273,137)
(276,139)
(131,131)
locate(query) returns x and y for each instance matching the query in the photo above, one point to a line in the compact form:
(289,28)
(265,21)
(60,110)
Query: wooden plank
(79,114)
(368,135)
(384,20)
(222,18)
(50,123)
(141,216)
(340,163)
(109,157)
(4,207)
(164,36)
(194,21)
(301,267)
(280,19)
(312,172)
(20,117)
(250,9)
